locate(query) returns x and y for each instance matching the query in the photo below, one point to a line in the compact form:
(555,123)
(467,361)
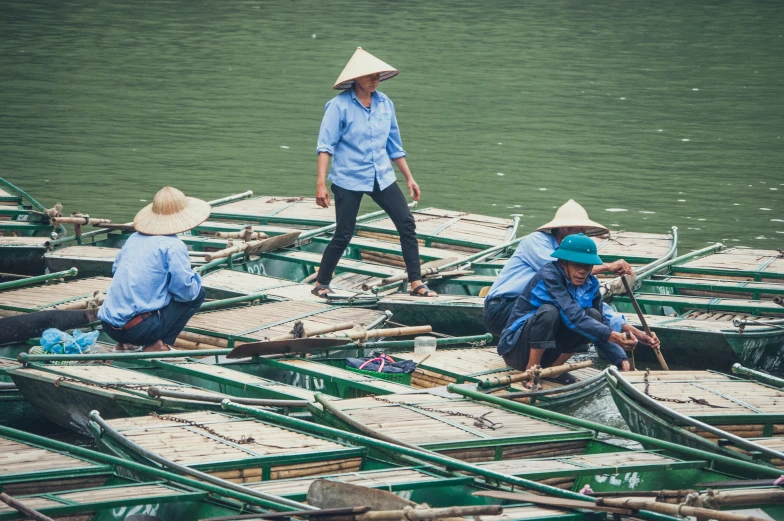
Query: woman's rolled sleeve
(394,143)
(184,283)
(329,133)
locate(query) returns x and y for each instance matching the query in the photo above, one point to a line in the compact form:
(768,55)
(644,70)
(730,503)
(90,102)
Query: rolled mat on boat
(21,327)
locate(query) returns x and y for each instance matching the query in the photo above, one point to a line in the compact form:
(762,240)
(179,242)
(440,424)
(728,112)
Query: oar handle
(647,329)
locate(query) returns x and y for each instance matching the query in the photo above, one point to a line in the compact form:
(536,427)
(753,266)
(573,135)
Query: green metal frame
(21,194)
(707,303)
(725,286)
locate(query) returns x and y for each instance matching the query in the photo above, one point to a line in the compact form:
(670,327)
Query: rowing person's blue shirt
(148,273)
(362,141)
(531,255)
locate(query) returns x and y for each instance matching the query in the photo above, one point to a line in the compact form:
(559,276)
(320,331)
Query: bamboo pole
(40,278)
(316,330)
(644,323)
(675,510)
(377,333)
(415,514)
(81,219)
(529,374)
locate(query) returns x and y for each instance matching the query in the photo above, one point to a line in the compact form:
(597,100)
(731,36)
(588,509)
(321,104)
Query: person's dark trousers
(497,311)
(164,324)
(394,203)
(546,330)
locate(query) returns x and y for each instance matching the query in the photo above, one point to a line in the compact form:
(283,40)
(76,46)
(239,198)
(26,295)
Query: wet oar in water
(643,321)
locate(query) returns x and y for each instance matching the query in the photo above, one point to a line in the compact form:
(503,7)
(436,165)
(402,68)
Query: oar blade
(282,347)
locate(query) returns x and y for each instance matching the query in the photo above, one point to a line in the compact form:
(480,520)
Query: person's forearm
(321,168)
(601,268)
(403,167)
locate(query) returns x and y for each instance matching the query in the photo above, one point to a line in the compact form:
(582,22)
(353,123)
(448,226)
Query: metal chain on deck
(479,421)
(242,441)
(691,399)
(289,200)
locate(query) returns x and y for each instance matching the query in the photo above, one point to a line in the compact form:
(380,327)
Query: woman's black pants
(393,202)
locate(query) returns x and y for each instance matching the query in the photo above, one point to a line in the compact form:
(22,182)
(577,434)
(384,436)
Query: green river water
(651,114)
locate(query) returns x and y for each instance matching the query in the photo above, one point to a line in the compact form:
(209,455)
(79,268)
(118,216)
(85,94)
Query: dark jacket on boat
(551,286)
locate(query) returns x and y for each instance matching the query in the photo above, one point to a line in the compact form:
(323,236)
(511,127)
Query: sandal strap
(417,290)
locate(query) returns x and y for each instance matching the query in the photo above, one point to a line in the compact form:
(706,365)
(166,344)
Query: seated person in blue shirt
(533,253)
(560,311)
(154,290)
(359,132)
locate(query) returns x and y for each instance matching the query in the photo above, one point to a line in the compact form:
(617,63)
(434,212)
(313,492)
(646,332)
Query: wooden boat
(65,394)
(667,407)
(15,411)
(439,423)
(715,310)
(466,365)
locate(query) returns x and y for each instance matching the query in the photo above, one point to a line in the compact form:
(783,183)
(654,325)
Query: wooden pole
(643,321)
(675,510)
(377,333)
(415,514)
(22,508)
(528,375)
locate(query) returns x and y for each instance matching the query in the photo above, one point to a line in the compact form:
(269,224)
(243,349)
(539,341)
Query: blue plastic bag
(57,342)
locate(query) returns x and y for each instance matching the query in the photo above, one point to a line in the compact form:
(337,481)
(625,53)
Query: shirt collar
(375,98)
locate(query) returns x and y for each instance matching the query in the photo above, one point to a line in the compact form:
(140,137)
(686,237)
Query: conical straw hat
(572,215)
(362,64)
(171,212)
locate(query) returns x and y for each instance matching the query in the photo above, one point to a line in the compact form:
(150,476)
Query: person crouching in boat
(154,290)
(560,311)
(359,132)
(533,252)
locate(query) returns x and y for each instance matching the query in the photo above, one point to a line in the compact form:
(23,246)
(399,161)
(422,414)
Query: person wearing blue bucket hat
(560,311)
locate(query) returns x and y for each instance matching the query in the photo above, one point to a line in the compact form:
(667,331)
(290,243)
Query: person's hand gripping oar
(643,321)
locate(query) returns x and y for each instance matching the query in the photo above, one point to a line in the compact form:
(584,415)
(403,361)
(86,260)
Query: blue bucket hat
(578,248)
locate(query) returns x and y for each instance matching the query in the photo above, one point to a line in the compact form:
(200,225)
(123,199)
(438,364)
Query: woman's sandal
(418,291)
(319,290)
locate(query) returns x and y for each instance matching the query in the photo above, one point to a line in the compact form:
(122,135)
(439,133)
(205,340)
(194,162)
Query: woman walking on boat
(360,133)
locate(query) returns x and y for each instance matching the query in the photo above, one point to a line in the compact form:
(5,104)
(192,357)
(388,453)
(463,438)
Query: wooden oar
(675,510)
(255,247)
(643,321)
(549,501)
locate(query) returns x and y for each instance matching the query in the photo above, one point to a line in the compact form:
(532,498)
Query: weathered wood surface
(279,206)
(737,259)
(39,297)
(375,478)
(97,495)
(85,252)
(21,458)
(249,284)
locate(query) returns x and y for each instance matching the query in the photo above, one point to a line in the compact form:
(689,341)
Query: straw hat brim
(592,228)
(151,223)
(346,84)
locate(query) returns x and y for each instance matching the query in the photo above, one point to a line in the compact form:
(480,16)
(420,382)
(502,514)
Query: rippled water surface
(650,114)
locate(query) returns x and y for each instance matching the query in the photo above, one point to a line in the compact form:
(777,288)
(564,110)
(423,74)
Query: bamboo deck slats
(733,396)
(699,320)
(526,512)
(85,252)
(289,453)
(458,435)
(370,246)
(243,283)
(276,318)
(104,379)
(40,297)
(440,300)
(713,287)
(754,263)
(375,478)
(648,245)
(96,495)
(706,303)
(21,458)
(330,372)
(479,229)
(304,208)
(23,241)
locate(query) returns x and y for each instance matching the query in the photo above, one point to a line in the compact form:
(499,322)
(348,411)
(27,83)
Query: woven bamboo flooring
(238,377)
(374,478)
(440,300)
(105,379)
(526,512)
(85,252)
(21,458)
(734,396)
(39,297)
(276,318)
(712,290)
(633,244)
(437,426)
(474,228)
(248,284)
(611,460)
(279,206)
(96,496)
(369,246)
(737,259)
(706,303)
(700,320)
(193,445)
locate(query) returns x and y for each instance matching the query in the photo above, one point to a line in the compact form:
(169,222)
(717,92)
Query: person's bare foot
(122,347)
(158,345)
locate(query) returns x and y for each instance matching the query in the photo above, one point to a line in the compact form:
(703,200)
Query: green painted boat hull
(451,319)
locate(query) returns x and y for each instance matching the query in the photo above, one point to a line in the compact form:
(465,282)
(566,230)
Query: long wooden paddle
(282,347)
(643,321)
(571,504)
